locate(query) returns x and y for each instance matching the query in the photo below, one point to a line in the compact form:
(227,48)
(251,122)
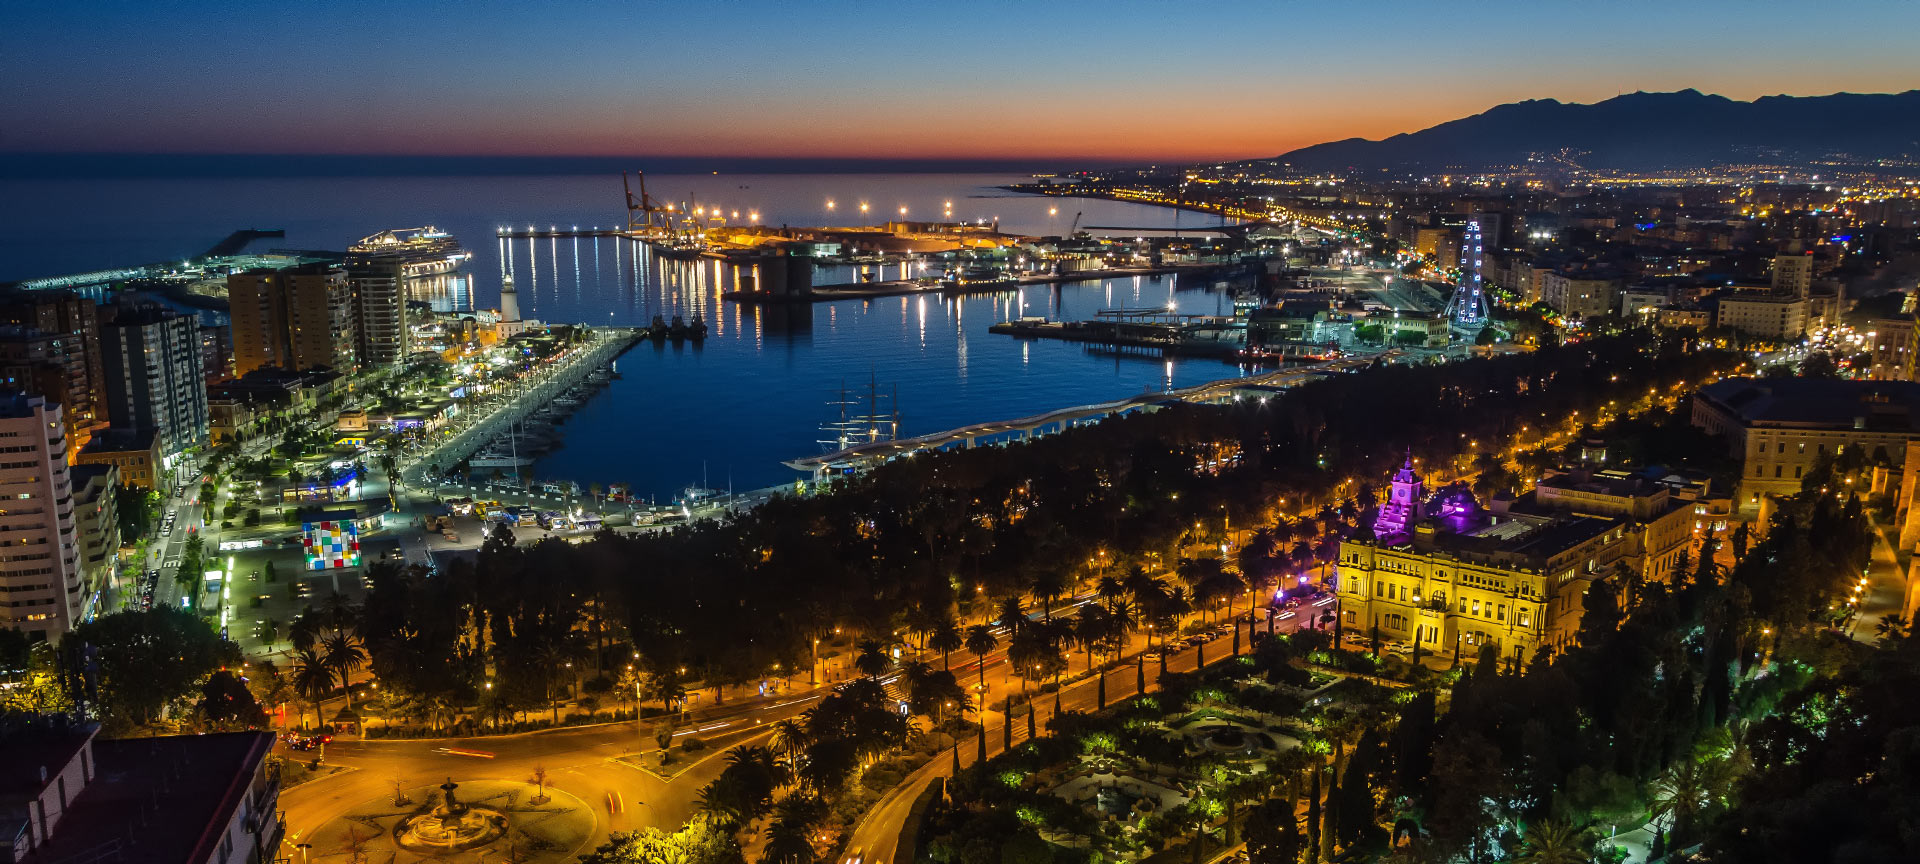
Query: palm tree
(1554,843)
(1680,797)
(790,738)
(981,641)
(872,660)
(787,844)
(312,679)
(305,631)
(717,802)
(1090,629)
(343,656)
(946,639)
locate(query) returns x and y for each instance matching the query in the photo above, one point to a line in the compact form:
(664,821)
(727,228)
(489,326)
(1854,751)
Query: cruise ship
(425,251)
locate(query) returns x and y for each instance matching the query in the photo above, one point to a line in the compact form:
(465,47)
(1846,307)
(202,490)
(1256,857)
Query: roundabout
(520,821)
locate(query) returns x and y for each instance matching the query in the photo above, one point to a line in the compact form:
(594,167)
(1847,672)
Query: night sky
(873,79)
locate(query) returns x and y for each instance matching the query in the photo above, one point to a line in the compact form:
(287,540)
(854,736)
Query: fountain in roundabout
(453,826)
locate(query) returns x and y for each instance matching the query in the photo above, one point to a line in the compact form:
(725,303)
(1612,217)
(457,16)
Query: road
(583,760)
(876,837)
(1887,590)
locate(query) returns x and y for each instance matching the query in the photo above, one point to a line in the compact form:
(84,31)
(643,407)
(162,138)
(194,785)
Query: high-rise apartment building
(1793,274)
(154,379)
(296,319)
(55,366)
(41,588)
(379,284)
(75,322)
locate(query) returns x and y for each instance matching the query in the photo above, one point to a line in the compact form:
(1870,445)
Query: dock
(1146,332)
(903,287)
(864,456)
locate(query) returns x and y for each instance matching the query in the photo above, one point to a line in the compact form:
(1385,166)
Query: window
(1503,613)
(1379,589)
(1476,607)
(1796,472)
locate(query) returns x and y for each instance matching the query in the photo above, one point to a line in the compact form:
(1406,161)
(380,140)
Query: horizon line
(117,165)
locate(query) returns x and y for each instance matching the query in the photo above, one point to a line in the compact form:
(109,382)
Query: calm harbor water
(731,409)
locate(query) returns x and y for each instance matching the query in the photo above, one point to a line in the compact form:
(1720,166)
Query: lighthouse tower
(509,300)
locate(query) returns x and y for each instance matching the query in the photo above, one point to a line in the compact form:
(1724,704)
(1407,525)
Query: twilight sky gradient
(966,78)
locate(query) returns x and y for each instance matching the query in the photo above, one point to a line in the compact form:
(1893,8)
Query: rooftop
(120,441)
(159,799)
(1892,406)
(14,403)
(35,746)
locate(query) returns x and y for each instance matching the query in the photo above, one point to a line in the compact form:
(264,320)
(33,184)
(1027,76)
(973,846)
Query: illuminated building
(1775,319)
(40,576)
(1444,572)
(297,318)
(1779,428)
(1793,274)
(154,376)
(1580,295)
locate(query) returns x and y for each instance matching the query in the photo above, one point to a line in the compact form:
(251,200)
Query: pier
(865,456)
(948,288)
(1154,332)
(529,394)
(532,233)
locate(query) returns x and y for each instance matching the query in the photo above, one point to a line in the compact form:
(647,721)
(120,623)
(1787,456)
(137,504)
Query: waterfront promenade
(525,395)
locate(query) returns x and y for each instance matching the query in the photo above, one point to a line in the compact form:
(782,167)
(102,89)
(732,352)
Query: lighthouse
(509,301)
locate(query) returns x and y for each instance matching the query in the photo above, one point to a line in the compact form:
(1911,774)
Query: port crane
(645,216)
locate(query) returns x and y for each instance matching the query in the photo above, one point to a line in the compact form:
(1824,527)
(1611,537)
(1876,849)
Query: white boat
(496,459)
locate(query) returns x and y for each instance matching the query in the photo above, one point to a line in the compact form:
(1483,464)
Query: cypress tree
(1313,817)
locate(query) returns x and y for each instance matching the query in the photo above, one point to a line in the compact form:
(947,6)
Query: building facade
(154,378)
(42,590)
(74,798)
(1458,577)
(1775,319)
(76,321)
(55,366)
(1580,296)
(134,454)
(1793,274)
(297,318)
(1779,428)
(98,513)
(379,286)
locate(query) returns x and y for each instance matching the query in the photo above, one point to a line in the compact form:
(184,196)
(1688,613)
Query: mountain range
(1640,131)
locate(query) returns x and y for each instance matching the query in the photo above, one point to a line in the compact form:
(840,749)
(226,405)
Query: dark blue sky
(881,79)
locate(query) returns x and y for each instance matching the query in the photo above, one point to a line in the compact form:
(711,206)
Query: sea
(724,413)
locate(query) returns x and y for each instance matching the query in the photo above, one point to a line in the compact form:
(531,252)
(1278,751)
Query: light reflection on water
(755,392)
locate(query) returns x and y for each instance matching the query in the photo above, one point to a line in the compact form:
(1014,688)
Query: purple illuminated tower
(1403,504)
